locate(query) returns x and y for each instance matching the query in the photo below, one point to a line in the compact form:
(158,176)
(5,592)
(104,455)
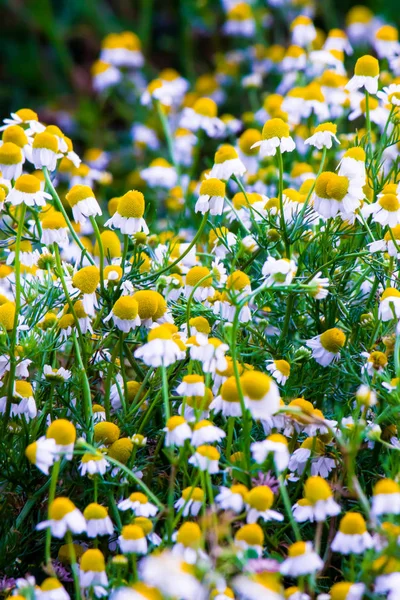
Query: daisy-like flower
(203,116)
(25,117)
(192,385)
(387,581)
(54,229)
(303,31)
(376,362)
(278,271)
(227,163)
(97,520)
(259,501)
(318,502)
(338,40)
(163,348)
(128,217)
(104,75)
(51,589)
(386,498)
(199,283)
(390,94)
(275,134)
(366,75)
(205,432)
(261,394)
(63,432)
(23,401)
(139,504)
(389,305)
(188,542)
(352,537)
(86,280)
(327,346)
(45,151)
(63,517)
(346,590)
(206,458)
(323,136)
(93,463)
(92,569)
(352,164)
(232,498)
(122,50)
(211,353)
(177,431)
(170,576)
(386,41)
(27,190)
(301,560)
(240,21)
(125,314)
(279,369)
(258,585)
(335,194)
(11,160)
(160,174)
(228,400)
(386,211)
(59,374)
(311,449)
(212,195)
(42,454)
(275,445)
(191,501)
(83,203)
(250,537)
(133,540)
(157,90)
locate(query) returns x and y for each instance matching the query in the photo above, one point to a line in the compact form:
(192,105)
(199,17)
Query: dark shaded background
(47,47)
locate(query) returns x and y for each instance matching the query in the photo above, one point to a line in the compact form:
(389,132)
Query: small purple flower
(61,572)
(266,479)
(256,565)
(7,584)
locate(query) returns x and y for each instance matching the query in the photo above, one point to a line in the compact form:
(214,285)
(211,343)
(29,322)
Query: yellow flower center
(388,293)
(261,498)
(95,511)
(331,127)
(7,315)
(111,245)
(367,66)
(340,591)
(60,507)
(333,340)
(212,187)
(49,584)
(121,450)
(28,184)
(78,193)
(357,153)
(189,534)
(389,202)
(229,391)
(174,422)
(353,524)
(208,452)
(252,534)
(275,128)
(195,274)
(93,560)
(247,139)
(106,432)
(126,308)
(197,495)
(205,107)
(238,280)
(147,301)
(297,549)
(87,279)
(378,359)
(162,332)
(386,486)
(62,431)
(301,20)
(46,140)
(255,384)
(16,135)
(54,220)
(283,367)
(316,488)
(131,205)
(193,379)
(26,114)
(132,532)
(224,153)
(10,154)
(387,33)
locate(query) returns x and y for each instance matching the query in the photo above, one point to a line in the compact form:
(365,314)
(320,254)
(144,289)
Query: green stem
(165,392)
(52,492)
(280,197)
(87,397)
(74,564)
(101,252)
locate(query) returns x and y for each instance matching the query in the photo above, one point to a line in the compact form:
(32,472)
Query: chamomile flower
(323,136)
(22,402)
(278,271)
(257,585)
(389,306)
(232,498)
(54,230)
(63,432)
(211,353)
(97,520)
(205,432)
(227,163)
(83,203)
(258,502)
(128,217)
(42,454)
(312,449)
(335,194)
(160,174)
(206,459)
(375,363)
(139,504)
(261,394)
(352,164)
(303,31)
(163,348)
(188,542)
(327,346)
(27,190)
(52,589)
(250,537)
(301,560)
(386,498)
(279,369)
(11,160)
(275,135)
(352,536)
(92,463)
(191,501)
(386,41)
(366,75)
(132,540)
(45,151)
(192,385)
(24,117)
(386,211)
(86,280)
(177,431)
(212,195)
(203,116)
(125,314)
(122,50)
(275,445)
(92,569)
(63,517)
(318,502)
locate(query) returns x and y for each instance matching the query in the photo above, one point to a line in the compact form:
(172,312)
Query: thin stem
(52,492)
(165,392)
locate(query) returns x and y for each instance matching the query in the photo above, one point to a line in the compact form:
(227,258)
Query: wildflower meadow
(200,308)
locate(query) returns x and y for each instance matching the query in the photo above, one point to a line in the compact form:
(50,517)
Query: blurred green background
(47,47)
